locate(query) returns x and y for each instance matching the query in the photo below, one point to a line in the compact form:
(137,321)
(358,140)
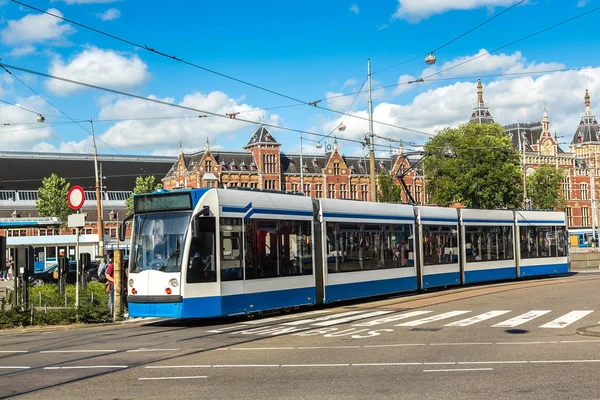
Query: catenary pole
(98,197)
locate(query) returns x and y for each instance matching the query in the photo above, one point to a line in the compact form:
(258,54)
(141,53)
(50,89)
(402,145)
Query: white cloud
(482,62)
(152,134)
(403,85)
(381,27)
(22,50)
(354,8)
(109,15)
(23,131)
(340,103)
(416,10)
(350,82)
(98,67)
(36,28)
(583,3)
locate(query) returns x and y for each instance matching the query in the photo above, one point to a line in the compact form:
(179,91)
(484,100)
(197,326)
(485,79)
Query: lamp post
(98,197)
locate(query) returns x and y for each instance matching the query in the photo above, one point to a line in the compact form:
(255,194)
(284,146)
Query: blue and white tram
(215,252)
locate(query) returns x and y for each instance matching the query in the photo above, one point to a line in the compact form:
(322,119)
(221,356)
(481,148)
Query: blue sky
(307,50)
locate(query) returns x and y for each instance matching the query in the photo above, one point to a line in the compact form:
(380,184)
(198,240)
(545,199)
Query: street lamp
(114,216)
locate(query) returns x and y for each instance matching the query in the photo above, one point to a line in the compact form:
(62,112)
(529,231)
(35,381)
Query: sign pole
(78,271)
(76,198)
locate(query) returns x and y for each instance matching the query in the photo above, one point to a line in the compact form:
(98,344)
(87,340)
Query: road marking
(227,328)
(14,351)
(325,318)
(395,345)
(460,344)
(88,367)
(491,362)
(246,366)
(177,366)
(567,319)
(328,347)
(315,365)
(458,370)
(521,319)
(172,377)
(142,350)
(386,364)
(13,367)
(525,342)
(78,351)
(351,318)
(284,317)
(392,318)
(478,318)
(433,318)
(581,341)
(563,361)
(262,348)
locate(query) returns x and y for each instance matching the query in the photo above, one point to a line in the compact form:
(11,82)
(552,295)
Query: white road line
(525,342)
(567,319)
(392,318)
(460,344)
(490,362)
(262,348)
(521,319)
(386,364)
(328,347)
(351,318)
(433,318)
(325,318)
(226,328)
(78,351)
(581,341)
(315,365)
(13,367)
(246,366)
(440,363)
(14,351)
(284,317)
(88,367)
(177,366)
(143,350)
(563,361)
(458,370)
(395,345)
(478,318)
(172,377)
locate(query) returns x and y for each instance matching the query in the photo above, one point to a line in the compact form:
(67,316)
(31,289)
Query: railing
(25,197)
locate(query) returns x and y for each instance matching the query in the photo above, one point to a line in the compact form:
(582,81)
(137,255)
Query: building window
(269,185)
(336,168)
(331,191)
(569,215)
(269,163)
(319,191)
(585,216)
(307,189)
(207,165)
(343,191)
(353,192)
(364,190)
(583,191)
(418,193)
(294,187)
(566,187)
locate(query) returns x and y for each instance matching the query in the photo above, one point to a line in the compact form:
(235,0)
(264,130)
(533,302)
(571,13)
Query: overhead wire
(455,39)
(45,75)
(21,107)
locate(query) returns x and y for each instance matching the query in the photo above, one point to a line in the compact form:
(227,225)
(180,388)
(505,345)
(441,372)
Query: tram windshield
(158,241)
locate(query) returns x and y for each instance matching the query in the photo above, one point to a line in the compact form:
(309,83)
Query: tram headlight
(130,283)
(173,282)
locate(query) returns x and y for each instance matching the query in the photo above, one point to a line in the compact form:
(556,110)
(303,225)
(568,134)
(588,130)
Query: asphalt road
(512,340)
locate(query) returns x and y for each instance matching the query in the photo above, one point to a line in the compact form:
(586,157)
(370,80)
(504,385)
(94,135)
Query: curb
(60,328)
(585,331)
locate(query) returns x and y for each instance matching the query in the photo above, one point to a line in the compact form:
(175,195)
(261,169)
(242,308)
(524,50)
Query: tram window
(353,247)
(231,249)
(540,241)
(201,264)
(278,248)
(440,245)
(489,243)
(562,243)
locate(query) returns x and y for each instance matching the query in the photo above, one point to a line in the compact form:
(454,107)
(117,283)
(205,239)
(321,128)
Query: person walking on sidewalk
(110,269)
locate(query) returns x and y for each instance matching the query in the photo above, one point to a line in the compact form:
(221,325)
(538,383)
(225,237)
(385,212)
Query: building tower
(481,113)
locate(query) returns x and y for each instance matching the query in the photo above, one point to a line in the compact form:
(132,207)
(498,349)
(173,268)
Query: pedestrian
(110,284)
(4,271)
(11,268)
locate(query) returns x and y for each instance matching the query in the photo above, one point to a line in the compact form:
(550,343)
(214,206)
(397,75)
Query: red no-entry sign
(76,197)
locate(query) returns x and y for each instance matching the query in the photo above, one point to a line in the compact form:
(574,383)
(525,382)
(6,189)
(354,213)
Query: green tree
(475,165)
(544,188)
(53,198)
(143,184)
(390,192)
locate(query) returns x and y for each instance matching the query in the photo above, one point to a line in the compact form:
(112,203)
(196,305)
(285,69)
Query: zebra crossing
(543,319)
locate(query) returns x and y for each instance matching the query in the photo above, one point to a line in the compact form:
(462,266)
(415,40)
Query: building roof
(262,136)
(25,170)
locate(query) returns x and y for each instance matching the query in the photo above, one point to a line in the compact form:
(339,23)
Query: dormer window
(351,168)
(243,166)
(232,166)
(269,138)
(361,164)
(579,137)
(305,168)
(315,162)
(252,166)
(382,165)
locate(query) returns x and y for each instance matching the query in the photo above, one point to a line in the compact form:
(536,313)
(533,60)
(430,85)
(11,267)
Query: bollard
(92,298)
(40,298)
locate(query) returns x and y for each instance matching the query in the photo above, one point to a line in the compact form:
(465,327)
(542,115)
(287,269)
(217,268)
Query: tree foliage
(474,165)
(544,188)
(390,191)
(143,184)
(53,198)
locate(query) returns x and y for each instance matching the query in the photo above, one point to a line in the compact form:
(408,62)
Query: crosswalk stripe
(433,318)
(478,318)
(325,318)
(283,317)
(567,319)
(351,318)
(392,318)
(521,319)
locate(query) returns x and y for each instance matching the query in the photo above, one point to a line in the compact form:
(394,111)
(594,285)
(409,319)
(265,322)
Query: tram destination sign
(145,203)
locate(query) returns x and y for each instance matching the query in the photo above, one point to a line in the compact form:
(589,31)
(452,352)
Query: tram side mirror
(123,227)
(196,223)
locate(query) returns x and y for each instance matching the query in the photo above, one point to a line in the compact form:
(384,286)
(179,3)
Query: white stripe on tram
(478,318)
(567,319)
(521,319)
(351,318)
(392,318)
(433,318)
